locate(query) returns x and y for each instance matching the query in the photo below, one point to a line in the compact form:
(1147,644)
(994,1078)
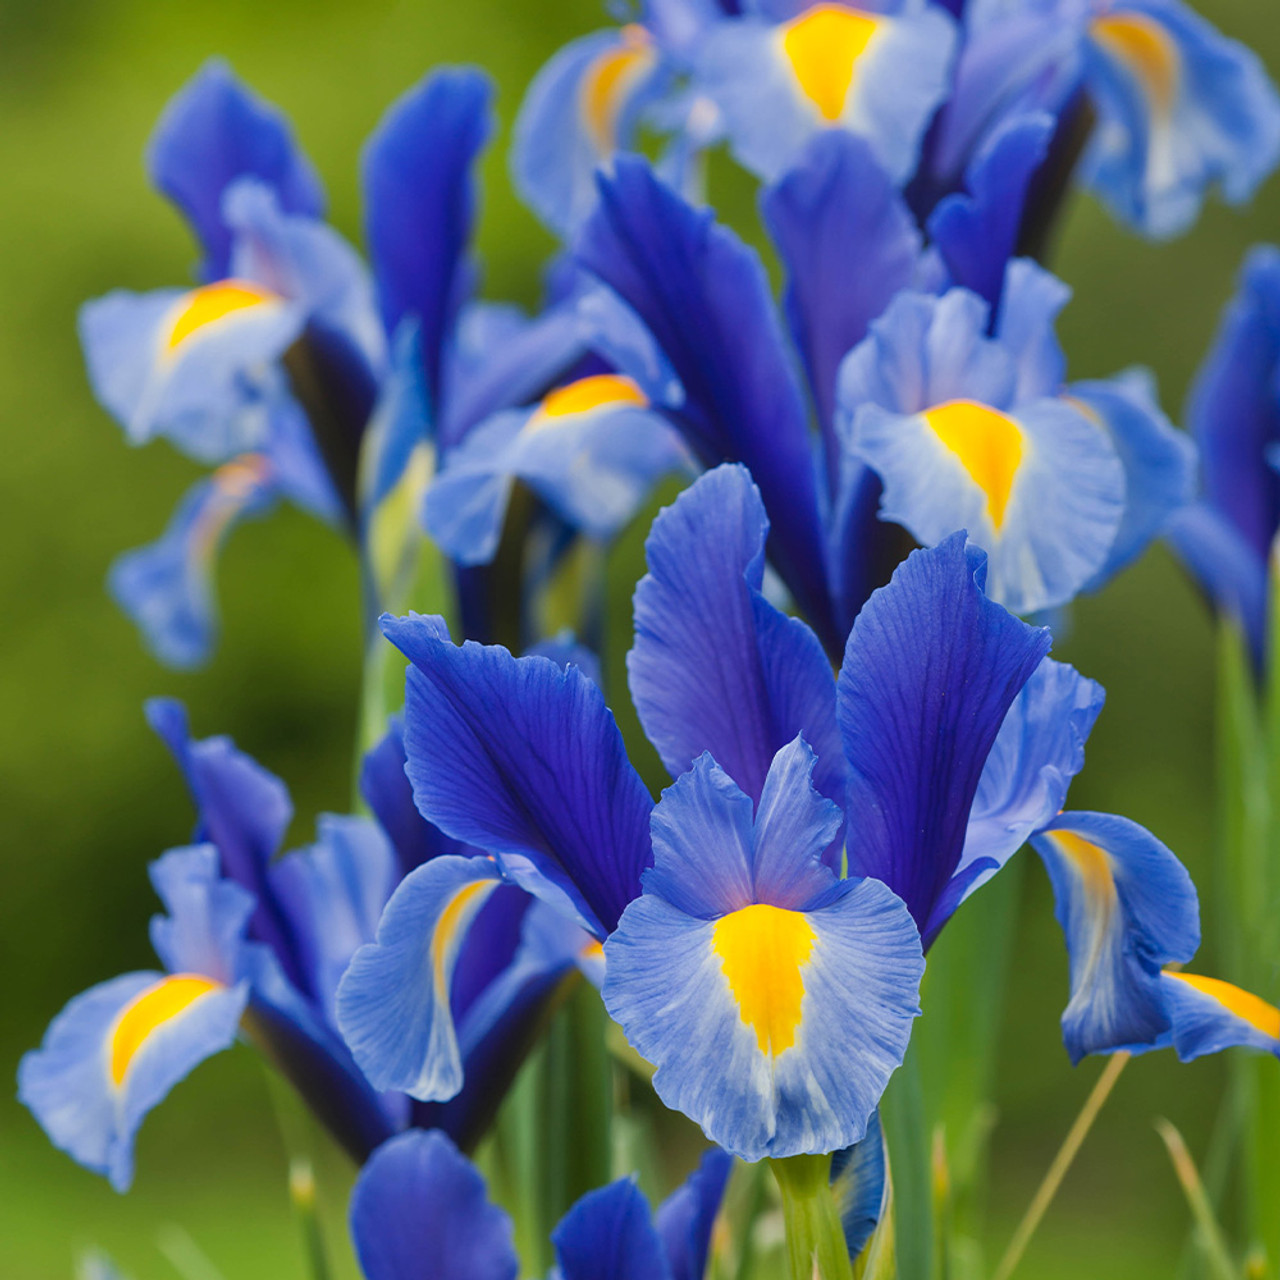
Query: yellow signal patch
(147,1012)
(212,302)
(610,80)
(988,444)
(453,922)
(762,950)
(823,46)
(1146,50)
(1253,1009)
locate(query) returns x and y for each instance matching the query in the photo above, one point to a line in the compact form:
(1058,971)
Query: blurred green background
(87,796)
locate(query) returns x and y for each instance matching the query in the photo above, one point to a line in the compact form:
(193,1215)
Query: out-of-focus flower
(1225,539)
(257,944)
(419,1197)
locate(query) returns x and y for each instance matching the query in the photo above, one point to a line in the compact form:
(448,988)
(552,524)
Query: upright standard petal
(705,298)
(524,760)
(1182,109)
(417,173)
(385,788)
(1231,573)
(393,1003)
(977,232)
(714,666)
(930,671)
(213,132)
(1234,408)
(774,1000)
(335,892)
(581,108)
(849,244)
(833,66)
(204,929)
(167,588)
(686,1218)
(244,812)
(420,1211)
(1127,907)
(114,1052)
(1159,461)
(1038,751)
(609,1235)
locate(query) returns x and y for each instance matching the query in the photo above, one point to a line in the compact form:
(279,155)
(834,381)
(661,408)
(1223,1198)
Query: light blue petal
(1157,151)
(70,1082)
(1064,503)
(206,394)
(558,143)
(313,266)
(896,85)
(714,666)
(1126,906)
(1159,461)
(1209,1016)
(393,1003)
(167,588)
(336,891)
(594,469)
(924,351)
(667,987)
(207,916)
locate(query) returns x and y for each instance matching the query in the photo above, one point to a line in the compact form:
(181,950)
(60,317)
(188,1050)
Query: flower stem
(816,1247)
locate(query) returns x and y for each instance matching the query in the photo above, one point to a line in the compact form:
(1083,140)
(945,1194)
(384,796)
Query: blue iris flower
(419,1202)
(1225,539)
(785,781)
(329,382)
(971,426)
(888,333)
(589,102)
(1179,108)
(255,945)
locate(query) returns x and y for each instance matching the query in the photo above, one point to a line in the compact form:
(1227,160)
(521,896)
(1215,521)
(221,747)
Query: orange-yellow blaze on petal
(212,302)
(1093,866)
(592,393)
(1253,1009)
(610,80)
(988,444)
(762,950)
(1146,50)
(149,1010)
(234,482)
(594,950)
(453,920)
(823,46)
